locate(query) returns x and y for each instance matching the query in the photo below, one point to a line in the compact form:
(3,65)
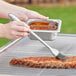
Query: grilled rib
(45,62)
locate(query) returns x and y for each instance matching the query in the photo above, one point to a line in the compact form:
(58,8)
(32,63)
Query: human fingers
(21,26)
(22,29)
(20,23)
(19,34)
(36,15)
(21,15)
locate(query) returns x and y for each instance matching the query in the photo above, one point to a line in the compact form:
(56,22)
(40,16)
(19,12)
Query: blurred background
(54,9)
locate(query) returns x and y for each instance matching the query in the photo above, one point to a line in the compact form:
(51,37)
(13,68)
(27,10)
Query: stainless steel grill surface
(27,48)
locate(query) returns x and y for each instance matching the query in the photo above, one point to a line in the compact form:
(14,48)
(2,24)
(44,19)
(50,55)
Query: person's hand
(14,30)
(20,12)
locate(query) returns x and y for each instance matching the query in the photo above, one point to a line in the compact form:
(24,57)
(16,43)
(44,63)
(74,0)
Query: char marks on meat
(45,62)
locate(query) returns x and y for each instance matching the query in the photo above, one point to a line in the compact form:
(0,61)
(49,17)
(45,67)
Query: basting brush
(53,51)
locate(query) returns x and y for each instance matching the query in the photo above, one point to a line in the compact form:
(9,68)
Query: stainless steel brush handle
(54,52)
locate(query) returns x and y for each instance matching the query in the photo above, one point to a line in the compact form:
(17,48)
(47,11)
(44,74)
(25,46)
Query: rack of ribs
(45,62)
